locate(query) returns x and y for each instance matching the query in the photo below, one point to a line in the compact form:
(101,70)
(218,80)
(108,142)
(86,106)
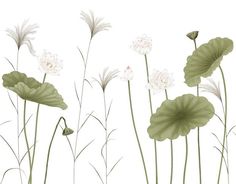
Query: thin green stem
(172,161)
(80,110)
(18,123)
(186,158)
(26,140)
(150,103)
(171,148)
(35,133)
(136,133)
(225,124)
(106,136)
(198,136)
(50,145)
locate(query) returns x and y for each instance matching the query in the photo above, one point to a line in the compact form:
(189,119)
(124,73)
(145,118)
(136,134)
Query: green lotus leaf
(30,89)
(206,59)
(177,117)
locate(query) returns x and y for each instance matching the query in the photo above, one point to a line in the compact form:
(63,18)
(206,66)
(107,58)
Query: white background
(61,31)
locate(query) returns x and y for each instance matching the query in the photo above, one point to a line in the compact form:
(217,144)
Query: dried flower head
(23,35)
(142,44)
(160,80)
(95,24)
(49,63)
(128,74)
(192,35)
(106,77)
(212,87)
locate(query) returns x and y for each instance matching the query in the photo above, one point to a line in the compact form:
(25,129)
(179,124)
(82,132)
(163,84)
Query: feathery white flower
(23,35)
(128,74)
(95,24)
(106,77)
(160,80)
(142,44)
(212,87)
(49,63)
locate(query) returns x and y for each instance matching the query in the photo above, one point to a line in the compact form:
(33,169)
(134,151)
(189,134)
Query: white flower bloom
(49,63)
(142,44)
(160,80)
(128,74)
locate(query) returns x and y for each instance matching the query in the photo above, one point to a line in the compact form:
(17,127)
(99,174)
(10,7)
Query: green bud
(192,35)
(67,131)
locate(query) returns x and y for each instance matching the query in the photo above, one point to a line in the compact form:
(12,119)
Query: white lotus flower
(49,63)
(128,74)
(142,44)
(160,80)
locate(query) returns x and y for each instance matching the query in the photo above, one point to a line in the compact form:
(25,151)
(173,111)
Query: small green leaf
(32,90)
(177,117)
(206,59)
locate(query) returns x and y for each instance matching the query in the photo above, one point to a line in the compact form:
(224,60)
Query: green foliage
(30,89)
(206,59)
(177,117)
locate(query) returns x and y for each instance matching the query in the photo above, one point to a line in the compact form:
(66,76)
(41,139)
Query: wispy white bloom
(95,24)
(160,80)
(128,74)
(142,44)
(212,87)
(49,63)
(106,77)
(23,35)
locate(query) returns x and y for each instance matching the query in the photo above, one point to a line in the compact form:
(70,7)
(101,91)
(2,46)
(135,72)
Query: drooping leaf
(177,117)
(30,89)
(206,59)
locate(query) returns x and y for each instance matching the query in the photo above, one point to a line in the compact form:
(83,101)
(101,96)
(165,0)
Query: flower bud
(67,131)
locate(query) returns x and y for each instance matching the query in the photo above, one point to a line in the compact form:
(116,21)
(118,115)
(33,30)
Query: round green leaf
(177,117)
(206,59)
(30,89)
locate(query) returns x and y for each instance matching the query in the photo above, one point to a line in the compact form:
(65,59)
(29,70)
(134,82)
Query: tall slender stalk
(198,135)
(106,136)
(35,134)
(80,109)
(18,122)
(150,103)
(50,145)
(225,124)
(27,142)
(171,151)
(136,133)
(186,158)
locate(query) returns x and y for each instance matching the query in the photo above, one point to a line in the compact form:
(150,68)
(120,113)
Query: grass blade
(97,173)
(113,167)
(84,148)
(10,63)
(10,169)
(5,122)
(10,147)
